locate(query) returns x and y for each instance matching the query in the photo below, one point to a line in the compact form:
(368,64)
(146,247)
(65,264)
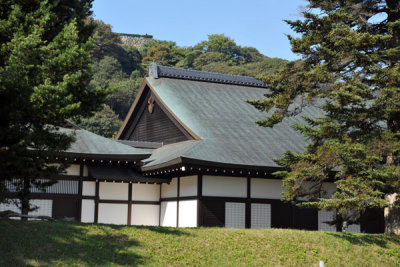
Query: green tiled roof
(219,115)
(93,145)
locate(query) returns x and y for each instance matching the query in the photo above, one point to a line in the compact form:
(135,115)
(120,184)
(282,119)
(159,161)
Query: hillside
(120,62)
(37,243)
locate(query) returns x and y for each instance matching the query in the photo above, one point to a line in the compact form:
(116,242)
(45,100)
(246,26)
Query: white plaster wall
(87,214)
(145,214)
(266,188)
(224,186)
(188,186)
(170,190)
(89,188)
(115,191)
(168,213)
(74,169)
(146,192)
(113,213)
(188,213)
(85,171)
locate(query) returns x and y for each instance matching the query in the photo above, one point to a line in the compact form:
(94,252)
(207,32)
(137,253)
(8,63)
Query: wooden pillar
(177,201)
(80,186)
(199,200)
(159,210)
(130,204)
(96,203)
(248,203)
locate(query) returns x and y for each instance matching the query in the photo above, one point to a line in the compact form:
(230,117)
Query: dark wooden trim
(96,202)
(80,188)
(130,204)
(177,201)
(248,203)
(199,200)
(159,210)
(89,197)
(144,202)
(179,198)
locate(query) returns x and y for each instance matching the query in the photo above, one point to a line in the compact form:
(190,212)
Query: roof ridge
(157,71)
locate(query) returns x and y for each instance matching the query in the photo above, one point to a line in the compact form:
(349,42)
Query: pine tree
(349,67)
(44,79)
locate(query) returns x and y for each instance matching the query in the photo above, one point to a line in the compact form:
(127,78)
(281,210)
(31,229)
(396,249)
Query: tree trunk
(24,199)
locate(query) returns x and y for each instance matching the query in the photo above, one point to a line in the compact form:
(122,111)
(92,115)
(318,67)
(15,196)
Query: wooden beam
(129,204)
(96,202)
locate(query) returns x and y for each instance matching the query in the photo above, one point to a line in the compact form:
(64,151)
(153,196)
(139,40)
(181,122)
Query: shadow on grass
(44,243)
(380,240)
(164,230)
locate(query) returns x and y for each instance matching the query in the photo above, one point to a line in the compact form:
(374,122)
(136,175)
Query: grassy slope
(37,243)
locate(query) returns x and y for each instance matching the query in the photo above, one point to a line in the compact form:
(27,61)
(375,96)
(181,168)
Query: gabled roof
(91,145)
(216,112)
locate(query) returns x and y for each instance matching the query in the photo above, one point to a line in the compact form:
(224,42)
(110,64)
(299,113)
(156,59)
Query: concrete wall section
(223,186)
(145,214)
(114,191)
(266,188)
(113,213)
(168,213)
(188,213)
(188,186)
(146,192)
(170,190)
(87,214)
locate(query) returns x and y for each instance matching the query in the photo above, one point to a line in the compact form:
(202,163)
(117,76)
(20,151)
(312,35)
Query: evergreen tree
(349,67)
(44,77)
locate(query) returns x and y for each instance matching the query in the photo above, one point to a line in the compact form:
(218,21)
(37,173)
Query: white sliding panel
(260,215)
(188,186)
(188,213)
(235,215)
(168,213)
(323,217)
(170,190)
(266,188)
(113,213)
(114,191)
(145,214)
(87,214)
(354,228)
(146,192)
(223,186)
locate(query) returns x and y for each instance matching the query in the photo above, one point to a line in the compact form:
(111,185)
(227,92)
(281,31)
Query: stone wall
(135,42)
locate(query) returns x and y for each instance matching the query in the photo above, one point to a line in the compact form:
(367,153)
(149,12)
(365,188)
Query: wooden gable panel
(156,127)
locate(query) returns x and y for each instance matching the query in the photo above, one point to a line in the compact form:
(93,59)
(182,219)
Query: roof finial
(153,70)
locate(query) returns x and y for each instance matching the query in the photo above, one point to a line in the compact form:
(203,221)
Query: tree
(104,122)
(44,79)
(350,68)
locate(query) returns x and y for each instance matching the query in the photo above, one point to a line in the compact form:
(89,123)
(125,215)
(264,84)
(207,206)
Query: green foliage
(350,67)
(40,243)
(44,79)
(104,122)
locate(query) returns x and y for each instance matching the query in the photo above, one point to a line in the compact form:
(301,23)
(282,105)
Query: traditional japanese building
(188,154)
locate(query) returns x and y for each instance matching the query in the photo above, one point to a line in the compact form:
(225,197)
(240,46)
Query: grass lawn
(37,243)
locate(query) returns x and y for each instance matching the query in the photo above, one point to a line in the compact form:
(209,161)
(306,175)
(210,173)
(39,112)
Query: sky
(255,23)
